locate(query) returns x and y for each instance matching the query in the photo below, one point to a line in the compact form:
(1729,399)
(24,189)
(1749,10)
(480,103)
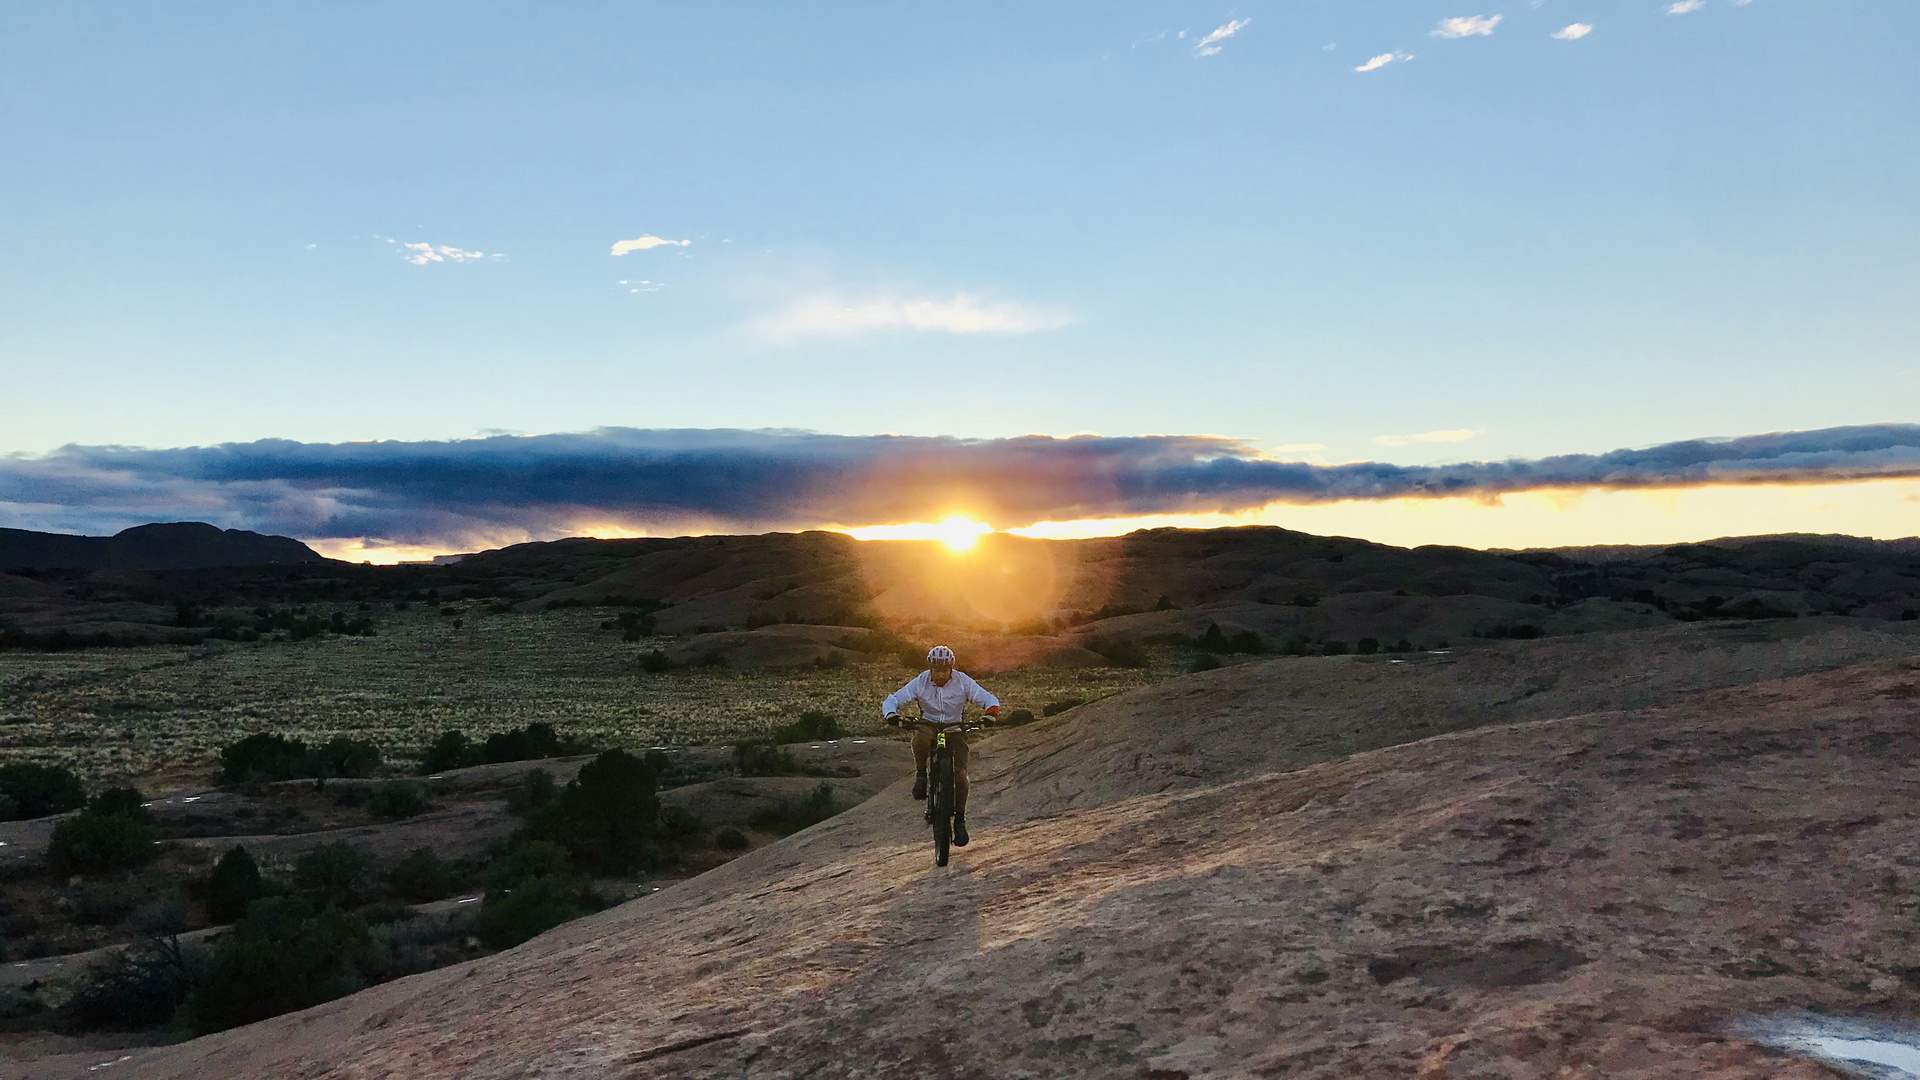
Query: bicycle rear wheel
(940,805)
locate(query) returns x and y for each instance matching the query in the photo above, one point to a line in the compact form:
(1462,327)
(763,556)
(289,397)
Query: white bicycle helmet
(939,656)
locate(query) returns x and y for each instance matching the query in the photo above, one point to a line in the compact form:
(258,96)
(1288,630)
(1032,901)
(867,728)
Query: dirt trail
(1591,896)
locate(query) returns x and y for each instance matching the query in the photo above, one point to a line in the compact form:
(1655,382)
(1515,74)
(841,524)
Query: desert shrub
(395,800)
(141,986)
(1055,708)
(1204,662)
(1215,640)
(1119,651)
(1018,717)
(531,743)
(792,815)
(265,756)
(1909,614)
(278,958)
(331,874)
(612,810)
(125,801)
(1165,603)
(1334,648)
(811,726)
(654,662)
(262,756)
(730,839)
(764,758)
(536,790)
(680,826)
(451,750)
(1403,645)
(90,843)
(1248,641)
(532,907)
(31,791)
(232,885)
(1368,646)
(421,877)
(102,903)
(342,757)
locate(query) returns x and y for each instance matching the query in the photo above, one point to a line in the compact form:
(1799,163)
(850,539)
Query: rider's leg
(960,757)
(922,747)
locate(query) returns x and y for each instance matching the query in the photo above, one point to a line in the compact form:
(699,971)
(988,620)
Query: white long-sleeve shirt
(939,704)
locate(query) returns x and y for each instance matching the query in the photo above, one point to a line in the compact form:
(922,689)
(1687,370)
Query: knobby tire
(941,806)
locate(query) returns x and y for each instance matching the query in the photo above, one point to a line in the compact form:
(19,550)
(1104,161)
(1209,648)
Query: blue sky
(980,221)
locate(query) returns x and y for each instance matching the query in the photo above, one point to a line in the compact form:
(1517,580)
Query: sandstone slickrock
(1594,895)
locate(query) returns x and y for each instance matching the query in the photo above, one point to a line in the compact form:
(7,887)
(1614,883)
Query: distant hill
(179,545)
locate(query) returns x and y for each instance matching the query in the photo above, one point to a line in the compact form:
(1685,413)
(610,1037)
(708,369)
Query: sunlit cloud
(1682,7)
(648,240)
(1467,26)
(1572,31)
(1449,436)
(464,494)
(839,316)
(1383,60)
(1206,46)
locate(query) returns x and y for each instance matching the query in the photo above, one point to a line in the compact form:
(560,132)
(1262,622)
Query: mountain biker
(942,693)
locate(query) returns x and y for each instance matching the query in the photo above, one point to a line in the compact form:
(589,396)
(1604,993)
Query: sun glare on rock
(958,532)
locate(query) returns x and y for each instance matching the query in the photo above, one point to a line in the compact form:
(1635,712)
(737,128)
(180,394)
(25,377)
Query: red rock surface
(1590,896)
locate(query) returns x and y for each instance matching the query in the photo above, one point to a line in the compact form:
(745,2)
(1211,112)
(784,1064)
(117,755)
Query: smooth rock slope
(1595,895)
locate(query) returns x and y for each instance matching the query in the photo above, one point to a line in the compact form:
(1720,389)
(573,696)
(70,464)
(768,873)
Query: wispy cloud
(1681,7)
(1467,26)
(839,316)
(1206,46)
(1383,60)
(506,487)
(645,241)
(422,254)
(1572,31)
(1451,435)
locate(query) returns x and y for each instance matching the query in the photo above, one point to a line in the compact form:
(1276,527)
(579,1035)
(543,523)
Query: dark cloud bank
(510,487)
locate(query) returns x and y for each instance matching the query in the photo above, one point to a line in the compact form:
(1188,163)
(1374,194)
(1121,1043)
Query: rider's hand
(993,713)
(893,719)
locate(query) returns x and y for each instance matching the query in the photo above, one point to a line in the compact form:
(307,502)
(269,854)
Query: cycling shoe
(959,831)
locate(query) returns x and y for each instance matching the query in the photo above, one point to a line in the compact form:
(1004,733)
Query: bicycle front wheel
(940,801)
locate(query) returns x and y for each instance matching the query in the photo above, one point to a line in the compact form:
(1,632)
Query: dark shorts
(923,744)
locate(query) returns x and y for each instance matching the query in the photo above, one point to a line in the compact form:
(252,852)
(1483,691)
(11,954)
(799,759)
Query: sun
(960,532)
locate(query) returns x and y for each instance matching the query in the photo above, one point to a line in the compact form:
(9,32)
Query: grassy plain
(161,710)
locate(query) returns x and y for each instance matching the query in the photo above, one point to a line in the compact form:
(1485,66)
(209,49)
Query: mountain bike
(940,793)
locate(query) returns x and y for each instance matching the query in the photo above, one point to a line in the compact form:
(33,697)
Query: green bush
(141,986)
(1369,646)
(1215,640)
(331,874)
(530,743)
(451,750)
(792,815)
(764,759)
(278,958)
(1334,648)
(31,791)
(532,907)
(613,811)
(811,726)
(125,801)
(1204,662)
(421,877)
(265,756)
(1248,641)
(1119,651)
(1055,708)
(90,843)
(536,790)
(233,884)
(730,839)
(1018,717)
(396,800)
(654,662)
